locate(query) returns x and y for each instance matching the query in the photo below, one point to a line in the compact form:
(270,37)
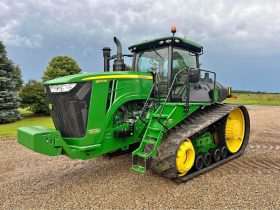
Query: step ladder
(152,136)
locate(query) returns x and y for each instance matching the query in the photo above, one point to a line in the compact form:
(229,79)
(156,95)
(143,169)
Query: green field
(10,129)
(256,99)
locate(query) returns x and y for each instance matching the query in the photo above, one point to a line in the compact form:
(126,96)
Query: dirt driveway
(31,180)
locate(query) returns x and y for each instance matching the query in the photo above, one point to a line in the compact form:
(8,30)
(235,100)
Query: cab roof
(165,41)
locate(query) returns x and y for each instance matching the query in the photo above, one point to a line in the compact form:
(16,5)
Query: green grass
(25,112)
(10,129)
(256,99)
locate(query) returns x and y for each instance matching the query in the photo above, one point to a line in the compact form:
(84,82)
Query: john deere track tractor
(165,109)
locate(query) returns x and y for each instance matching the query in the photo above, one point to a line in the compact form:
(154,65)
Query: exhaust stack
(119,62)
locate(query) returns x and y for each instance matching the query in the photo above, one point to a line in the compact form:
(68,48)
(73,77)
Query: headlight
(62,88)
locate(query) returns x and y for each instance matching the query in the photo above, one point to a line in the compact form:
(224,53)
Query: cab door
(181,59)
(155,60)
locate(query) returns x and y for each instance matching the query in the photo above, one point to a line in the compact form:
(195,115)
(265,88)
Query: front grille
(70,109)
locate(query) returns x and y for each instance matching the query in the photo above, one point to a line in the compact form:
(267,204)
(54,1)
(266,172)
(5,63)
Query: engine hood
(100,76)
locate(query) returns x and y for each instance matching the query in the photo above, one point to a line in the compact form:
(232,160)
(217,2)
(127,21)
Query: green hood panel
(100,76)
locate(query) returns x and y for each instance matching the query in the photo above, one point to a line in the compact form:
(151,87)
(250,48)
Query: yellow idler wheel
(185,157)
(235,130)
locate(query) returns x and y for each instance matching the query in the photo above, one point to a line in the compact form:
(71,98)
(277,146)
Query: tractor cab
(174,63)
(166,57)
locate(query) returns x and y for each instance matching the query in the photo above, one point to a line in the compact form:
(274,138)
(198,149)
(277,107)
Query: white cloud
(233,24)
(240,37)
(4,8)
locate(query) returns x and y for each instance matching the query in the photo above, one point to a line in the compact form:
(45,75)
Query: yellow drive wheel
(235,130)
(185,157)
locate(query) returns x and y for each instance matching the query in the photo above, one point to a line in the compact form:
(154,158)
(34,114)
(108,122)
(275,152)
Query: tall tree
(16,73)
(33,97)
(9,100)
(61,66)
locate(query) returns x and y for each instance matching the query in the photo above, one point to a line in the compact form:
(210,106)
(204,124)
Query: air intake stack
(106,55)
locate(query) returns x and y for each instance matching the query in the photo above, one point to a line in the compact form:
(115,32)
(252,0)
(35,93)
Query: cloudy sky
(241,39)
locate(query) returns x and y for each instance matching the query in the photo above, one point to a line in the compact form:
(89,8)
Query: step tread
(152,135)
(147,141)
(161,116)
(138,169)
(154,129)
(142,154)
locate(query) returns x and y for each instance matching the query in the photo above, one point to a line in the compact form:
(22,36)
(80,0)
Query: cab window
(155,60)
(183,59)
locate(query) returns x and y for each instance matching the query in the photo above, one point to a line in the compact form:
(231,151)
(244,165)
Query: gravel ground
(31,180)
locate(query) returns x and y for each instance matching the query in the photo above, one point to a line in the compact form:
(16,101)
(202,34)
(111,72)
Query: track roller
(199,162)
(216,154)
(224,152)
(207,159)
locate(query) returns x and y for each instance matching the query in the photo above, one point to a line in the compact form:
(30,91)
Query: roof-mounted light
(168,41)
(173,29)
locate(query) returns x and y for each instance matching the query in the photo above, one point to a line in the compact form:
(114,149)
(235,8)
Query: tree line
(15,94)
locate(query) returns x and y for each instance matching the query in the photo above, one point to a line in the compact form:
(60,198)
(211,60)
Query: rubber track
(164,162)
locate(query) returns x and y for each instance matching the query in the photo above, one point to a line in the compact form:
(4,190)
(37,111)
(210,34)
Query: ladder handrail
(149,96)
(170,90)
(145,104)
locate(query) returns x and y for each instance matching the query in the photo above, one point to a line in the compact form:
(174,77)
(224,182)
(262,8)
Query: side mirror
(194,75)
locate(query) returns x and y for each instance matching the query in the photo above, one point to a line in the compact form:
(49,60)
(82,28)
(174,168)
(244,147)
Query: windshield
(155,59)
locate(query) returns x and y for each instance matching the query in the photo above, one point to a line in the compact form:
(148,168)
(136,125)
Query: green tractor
(164,109)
